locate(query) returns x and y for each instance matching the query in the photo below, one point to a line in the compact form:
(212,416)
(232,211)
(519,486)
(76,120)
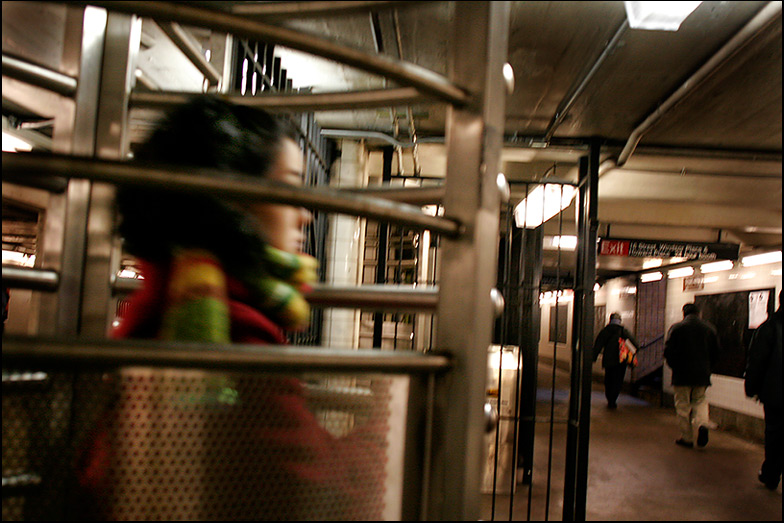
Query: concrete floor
(635,470)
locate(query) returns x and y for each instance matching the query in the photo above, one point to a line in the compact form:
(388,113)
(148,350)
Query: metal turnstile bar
(299,102)
(30,278)
(404,73)
(409,195)
(39,76)
(18,167)
(379,297)
(184,42)
(102,353)
(313,8)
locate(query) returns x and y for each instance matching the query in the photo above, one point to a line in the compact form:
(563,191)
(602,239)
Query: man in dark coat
(763,380)
(614,369)
(691,349)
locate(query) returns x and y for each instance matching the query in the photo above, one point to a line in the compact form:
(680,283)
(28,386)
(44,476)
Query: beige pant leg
(682,399)
(699,407)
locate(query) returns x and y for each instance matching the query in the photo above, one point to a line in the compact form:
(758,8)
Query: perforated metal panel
(152,444)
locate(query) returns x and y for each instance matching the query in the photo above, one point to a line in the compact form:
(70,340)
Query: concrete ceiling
(707,169)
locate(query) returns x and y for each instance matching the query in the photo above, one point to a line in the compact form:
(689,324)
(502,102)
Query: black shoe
(702,436)
(769,483)
(683,443)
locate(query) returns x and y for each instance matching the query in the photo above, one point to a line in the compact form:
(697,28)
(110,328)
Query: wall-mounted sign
(693,283)
(758,308)
(668,249)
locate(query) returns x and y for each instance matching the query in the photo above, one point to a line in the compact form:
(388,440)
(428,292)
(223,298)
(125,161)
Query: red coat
(215,445)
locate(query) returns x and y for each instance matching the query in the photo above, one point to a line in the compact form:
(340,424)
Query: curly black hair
(206,132)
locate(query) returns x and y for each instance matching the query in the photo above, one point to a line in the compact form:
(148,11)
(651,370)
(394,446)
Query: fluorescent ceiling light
(761,259)
(19,258)
(651,276)
(541,204)
(725,265)
(509,77)
(12,144)
(661,16)
(565,243)
(680,273)
(650,264)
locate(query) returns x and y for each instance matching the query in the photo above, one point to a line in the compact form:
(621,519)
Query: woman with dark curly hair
(185,239)
(223,445)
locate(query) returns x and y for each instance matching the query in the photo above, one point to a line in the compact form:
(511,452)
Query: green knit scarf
(197,294)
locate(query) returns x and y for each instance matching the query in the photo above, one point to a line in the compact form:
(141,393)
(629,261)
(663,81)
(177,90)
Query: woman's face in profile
(282,225)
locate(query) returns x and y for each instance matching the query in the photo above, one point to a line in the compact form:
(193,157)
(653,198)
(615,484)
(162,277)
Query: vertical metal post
(123,33)
(64,234)
(474,137)
(530,319)
(576,476)
(382,251)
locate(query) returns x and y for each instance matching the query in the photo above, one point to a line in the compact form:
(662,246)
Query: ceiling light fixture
(658,16)
(541,204)
(680,273)
(12,144)
(651,276)
(725,265)
(509,78)
(761,259)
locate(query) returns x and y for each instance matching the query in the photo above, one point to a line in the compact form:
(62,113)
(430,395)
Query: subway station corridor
(636,472)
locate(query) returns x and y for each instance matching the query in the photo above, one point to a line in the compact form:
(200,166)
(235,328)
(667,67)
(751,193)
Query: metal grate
(170,444)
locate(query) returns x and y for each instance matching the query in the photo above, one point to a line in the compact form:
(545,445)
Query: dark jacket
(607,342)
(691,350)
(763,366)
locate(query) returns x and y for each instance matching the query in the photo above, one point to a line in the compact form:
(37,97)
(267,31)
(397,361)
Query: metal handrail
(404,73)
(60,353)
(21,167)
(299,102)
(30,278)
(39,76)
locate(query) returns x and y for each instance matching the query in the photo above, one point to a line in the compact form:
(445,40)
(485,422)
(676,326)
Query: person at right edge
(691,350)
(763,380)
(614,369)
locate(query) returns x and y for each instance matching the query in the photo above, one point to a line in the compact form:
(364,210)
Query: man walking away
(614,368)
(763,380)
(691,349)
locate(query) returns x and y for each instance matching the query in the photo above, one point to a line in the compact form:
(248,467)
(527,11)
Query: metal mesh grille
(151,444)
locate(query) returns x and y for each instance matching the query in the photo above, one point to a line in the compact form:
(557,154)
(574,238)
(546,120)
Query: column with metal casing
(64,234)
(123,33)
(474,137)
(577,438)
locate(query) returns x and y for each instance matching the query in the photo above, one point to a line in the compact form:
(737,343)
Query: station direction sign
(637,248)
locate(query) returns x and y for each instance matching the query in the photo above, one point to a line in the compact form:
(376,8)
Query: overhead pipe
(767,15)
(563,109)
